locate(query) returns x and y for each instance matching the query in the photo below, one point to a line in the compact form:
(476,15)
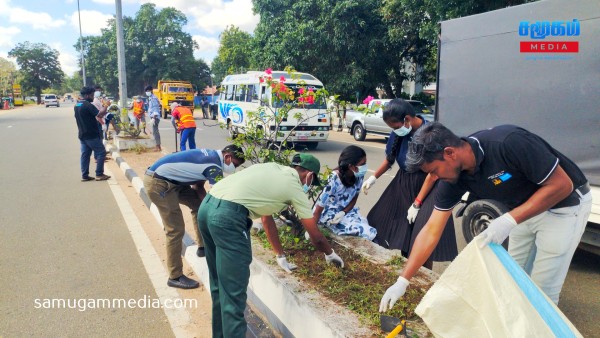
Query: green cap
(310,163)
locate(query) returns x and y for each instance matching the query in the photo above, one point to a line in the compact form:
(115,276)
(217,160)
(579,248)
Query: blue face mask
(403,131)
(362,170)
(306,187)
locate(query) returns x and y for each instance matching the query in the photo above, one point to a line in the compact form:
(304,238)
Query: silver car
(51,100)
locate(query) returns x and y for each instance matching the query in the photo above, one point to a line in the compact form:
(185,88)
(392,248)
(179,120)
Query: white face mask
(97,93)
(148,93)
(228,169)
(403,131)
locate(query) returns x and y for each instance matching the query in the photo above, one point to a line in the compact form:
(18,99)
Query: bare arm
(316,237)
(426,242)
(200,190)
(556,188)
(272,234)
(427,186)
(317,213)
(383,167)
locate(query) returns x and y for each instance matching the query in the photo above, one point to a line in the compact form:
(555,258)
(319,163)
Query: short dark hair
(236,151)
(396,110)
(96,87)
(428,145)
(148,88)
(86,91)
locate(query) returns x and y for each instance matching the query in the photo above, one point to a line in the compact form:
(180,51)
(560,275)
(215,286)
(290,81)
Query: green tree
(156,47)
(337,41)
(234,55)
(8,71)
(38,64)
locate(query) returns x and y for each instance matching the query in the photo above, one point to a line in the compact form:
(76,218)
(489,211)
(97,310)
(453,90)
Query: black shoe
(183,283)
(86,179)
(102,177)
(200,251)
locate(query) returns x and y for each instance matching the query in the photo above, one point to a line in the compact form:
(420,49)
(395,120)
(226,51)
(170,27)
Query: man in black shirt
(90,136)
(548,196)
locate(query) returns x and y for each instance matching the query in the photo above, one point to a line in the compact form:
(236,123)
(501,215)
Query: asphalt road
(61,238)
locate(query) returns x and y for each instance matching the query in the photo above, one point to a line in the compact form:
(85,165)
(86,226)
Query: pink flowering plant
(287,103)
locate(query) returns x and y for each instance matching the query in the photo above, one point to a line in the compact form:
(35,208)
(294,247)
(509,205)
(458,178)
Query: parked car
(360,124)
(51,100)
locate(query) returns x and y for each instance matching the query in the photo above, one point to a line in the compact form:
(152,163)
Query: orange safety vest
(186,118)
(138,108)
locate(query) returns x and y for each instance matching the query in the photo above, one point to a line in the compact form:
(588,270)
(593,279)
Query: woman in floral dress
(336,207)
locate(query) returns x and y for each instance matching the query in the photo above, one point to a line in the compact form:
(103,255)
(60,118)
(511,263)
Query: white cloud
(38,20)
(236,12)
(68,60)
(207,48)
(91,21)
(112,2)
(6,35)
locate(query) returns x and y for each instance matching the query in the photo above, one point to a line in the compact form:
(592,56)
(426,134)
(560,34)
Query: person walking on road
(547,194)
(403,208)
(179,178)
(225,218)
(154,114)
(90,136)
(182,119)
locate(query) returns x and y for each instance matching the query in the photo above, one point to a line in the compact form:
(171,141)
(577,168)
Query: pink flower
(310,99)
(269,71)
(310,90)
(282,79)
(300,90)
(261,80)
(368,99)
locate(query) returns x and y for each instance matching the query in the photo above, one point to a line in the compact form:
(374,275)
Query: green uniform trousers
(224,227)
(167,197)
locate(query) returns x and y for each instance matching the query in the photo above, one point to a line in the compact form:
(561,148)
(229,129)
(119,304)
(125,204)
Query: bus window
(240,93)
(229,95)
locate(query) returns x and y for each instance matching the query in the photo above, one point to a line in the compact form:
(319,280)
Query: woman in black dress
(405,205)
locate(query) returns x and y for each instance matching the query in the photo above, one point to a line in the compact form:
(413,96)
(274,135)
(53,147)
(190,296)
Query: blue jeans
(188,135)
(87,146)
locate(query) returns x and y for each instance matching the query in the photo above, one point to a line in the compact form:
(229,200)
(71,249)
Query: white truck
(536,66)
(360,124)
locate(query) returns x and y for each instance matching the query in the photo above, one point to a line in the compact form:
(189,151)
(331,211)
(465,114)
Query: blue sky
(55,22)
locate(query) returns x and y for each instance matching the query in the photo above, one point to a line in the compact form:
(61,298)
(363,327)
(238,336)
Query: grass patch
(358,287)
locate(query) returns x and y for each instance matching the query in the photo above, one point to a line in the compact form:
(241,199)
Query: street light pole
(81,45)
(121,63)
(212,92)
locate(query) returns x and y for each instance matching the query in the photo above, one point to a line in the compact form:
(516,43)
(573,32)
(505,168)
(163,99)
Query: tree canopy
(39,66)
(235,53)
(156,47)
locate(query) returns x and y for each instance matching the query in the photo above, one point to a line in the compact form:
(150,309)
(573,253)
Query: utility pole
(121,64)
(81,45)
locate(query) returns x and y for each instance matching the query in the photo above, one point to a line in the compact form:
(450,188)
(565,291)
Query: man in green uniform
(225,217)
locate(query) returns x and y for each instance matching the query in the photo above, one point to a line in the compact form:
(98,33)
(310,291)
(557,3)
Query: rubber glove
(412,213)
(368,183)
(393,293)
(498,230)
(307,236)
(285,265)
(334,258)
(257,227)
(338,217)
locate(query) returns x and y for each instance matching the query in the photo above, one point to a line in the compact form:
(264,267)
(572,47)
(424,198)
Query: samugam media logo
(541,29)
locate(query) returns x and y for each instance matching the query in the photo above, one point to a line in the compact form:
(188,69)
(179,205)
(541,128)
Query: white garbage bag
(485,293)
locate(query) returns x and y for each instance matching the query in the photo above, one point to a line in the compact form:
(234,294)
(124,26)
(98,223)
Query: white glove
(412,213)
(285,265)
(498,230)
(334,258)
(307,236)
(368,183)
(338,217)
(393,293)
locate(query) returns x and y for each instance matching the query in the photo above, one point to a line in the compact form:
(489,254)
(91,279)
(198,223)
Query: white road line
(179,318)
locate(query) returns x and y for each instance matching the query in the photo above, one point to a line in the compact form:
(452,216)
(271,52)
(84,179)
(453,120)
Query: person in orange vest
(139,113)
(183,119)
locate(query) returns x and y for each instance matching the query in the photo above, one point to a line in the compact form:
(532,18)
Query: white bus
(244,93)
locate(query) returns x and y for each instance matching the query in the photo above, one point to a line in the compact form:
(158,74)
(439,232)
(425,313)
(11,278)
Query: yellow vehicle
(17,95)
(169,91)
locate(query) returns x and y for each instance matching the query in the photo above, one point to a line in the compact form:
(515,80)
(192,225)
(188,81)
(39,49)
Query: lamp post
(212,92)
(81,45)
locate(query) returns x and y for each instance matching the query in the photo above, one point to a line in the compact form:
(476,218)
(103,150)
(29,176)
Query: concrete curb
(198,264)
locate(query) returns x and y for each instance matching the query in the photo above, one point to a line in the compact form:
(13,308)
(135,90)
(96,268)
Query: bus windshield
(318,103)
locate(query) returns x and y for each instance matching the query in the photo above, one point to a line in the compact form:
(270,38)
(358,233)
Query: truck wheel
(478,215)
(359,132)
